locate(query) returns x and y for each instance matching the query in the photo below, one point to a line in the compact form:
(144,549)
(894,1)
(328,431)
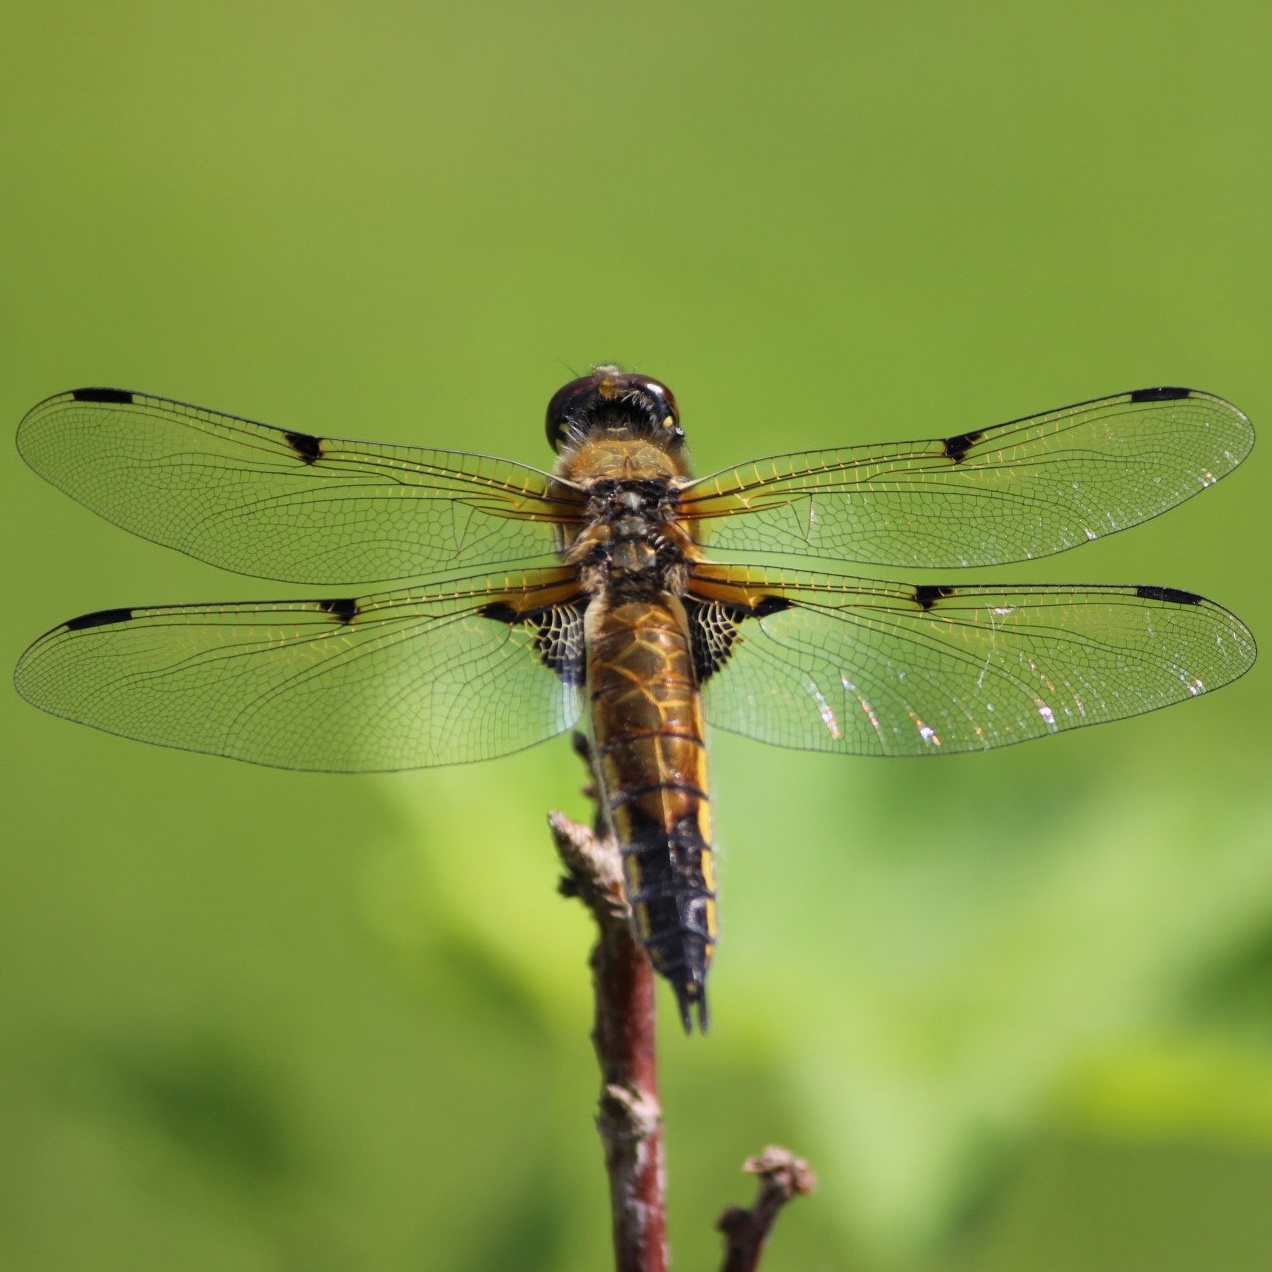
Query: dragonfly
(620,589)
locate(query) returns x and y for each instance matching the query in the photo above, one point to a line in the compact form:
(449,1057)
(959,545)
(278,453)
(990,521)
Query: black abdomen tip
(691,993)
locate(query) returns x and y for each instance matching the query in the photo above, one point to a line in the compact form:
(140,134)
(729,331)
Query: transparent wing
(1024,489)
(825,663)
(401,679)
(283,505)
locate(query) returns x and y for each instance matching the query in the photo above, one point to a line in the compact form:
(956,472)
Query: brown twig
(630,1116)
(782,1177)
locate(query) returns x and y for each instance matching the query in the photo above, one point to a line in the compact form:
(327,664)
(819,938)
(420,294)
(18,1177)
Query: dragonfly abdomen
(647,730)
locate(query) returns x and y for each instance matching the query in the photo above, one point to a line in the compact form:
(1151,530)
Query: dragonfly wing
(283,505)
(403,679)
(863,667)
(1028,488)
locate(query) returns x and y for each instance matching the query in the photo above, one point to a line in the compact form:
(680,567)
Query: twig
(630,1116)
(782,1177)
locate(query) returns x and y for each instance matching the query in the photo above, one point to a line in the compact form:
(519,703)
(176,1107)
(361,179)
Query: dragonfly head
(615,402)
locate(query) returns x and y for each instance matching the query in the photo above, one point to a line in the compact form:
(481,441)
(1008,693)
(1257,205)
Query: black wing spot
(712,630)
(119,396)
(501,612)
(558,636)
(956,448)
(559,640)
(1164,393)
(769,605)
(1175,595)
(713,627)
(344,608)
(100,618)
(306,445)
(927,594)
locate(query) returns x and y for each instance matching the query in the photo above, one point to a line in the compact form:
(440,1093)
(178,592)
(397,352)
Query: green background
(1016,1008)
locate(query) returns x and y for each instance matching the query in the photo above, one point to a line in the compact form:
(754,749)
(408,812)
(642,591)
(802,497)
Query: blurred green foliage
(1015,1008)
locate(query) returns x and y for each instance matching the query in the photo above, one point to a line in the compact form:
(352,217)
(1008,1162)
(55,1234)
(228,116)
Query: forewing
(401,679)
(1025,489)
(863,667)
(282,505)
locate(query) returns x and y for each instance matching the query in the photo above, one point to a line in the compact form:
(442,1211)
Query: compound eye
(664,401)
(564,403)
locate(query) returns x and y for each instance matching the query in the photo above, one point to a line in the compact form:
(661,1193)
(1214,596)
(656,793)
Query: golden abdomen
(648,736)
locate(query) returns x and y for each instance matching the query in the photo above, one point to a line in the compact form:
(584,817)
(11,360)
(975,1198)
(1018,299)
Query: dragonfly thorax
(631,541)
